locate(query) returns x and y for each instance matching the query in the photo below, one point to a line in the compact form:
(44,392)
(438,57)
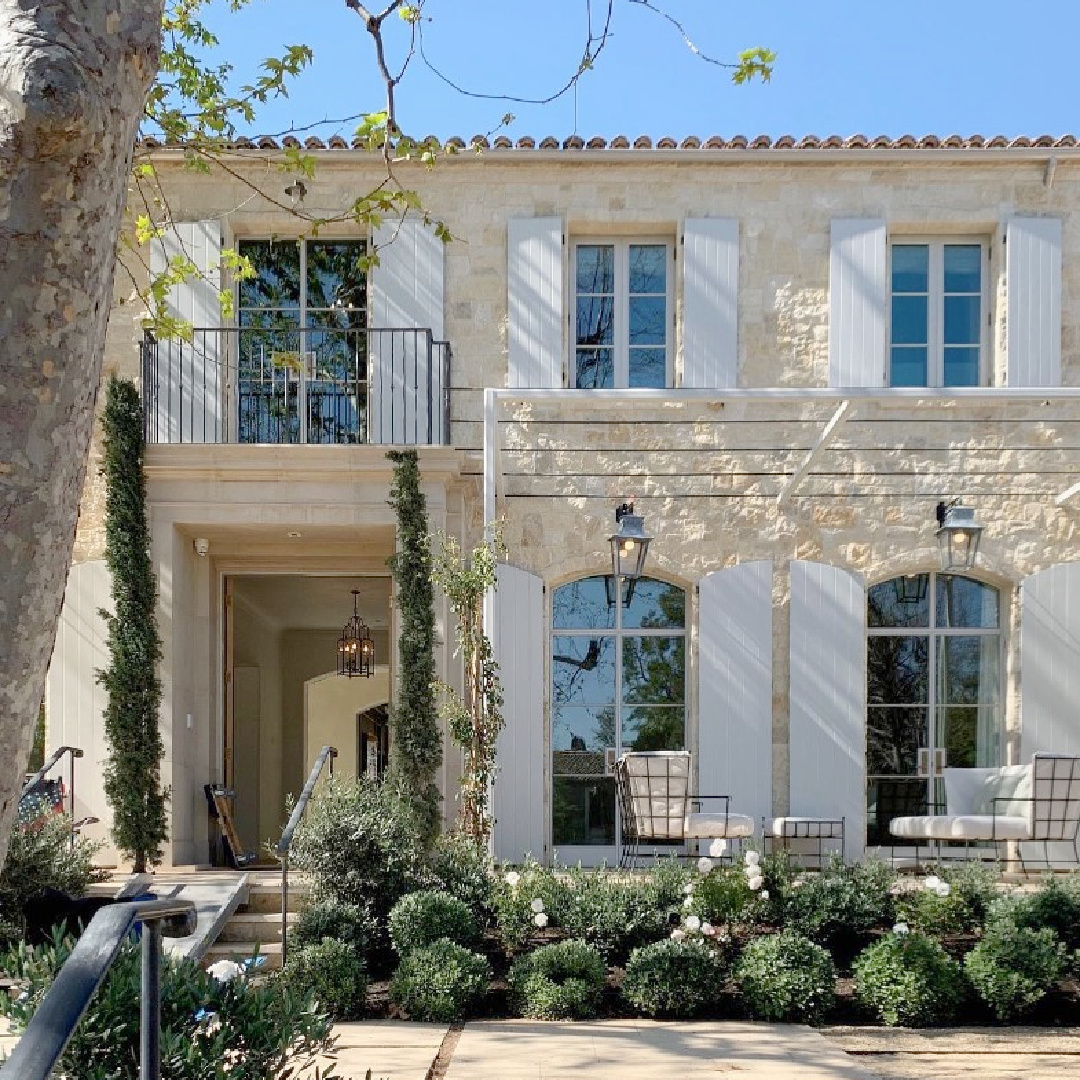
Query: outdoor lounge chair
(657,807)
(1038,802)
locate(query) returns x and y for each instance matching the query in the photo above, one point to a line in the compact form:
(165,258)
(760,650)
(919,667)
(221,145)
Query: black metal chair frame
(634,831)
(804,830)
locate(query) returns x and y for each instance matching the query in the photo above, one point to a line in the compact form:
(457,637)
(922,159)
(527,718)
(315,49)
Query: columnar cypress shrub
(133,769)
(417,744)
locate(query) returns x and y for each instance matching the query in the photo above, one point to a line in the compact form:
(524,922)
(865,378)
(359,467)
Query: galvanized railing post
(284,906)
(150,1019)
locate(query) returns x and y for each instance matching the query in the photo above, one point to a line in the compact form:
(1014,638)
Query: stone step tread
(243,949)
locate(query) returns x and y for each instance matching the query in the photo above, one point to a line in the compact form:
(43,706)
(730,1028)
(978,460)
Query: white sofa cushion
(961,827)
(717,826)
(965,789)
(1010,782)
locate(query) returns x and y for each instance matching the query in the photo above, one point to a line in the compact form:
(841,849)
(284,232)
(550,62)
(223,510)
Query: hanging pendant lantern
(356,647)
(958,536)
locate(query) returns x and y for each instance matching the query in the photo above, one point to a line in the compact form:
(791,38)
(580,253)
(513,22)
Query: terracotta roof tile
(689,144)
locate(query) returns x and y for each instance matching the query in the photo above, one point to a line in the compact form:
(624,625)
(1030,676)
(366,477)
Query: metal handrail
(327,753)
(40,775)
(53,1024)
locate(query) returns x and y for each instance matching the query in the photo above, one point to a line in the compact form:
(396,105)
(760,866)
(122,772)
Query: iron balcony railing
(297,385)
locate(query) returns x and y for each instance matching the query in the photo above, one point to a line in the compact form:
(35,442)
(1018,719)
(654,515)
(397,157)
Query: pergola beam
(829,432)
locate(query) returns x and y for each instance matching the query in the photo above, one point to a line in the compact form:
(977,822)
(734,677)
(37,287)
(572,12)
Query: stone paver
(391,1049)
(647,1050)
(958,1066)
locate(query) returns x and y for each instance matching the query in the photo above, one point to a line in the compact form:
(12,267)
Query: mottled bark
(73,78)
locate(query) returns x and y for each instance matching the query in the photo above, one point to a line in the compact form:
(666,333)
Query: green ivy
(414,724)
(133,769)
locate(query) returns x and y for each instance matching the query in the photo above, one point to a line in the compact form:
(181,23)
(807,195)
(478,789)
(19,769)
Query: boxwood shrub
(333,973)
(677,979)
(421,918)
(787,977)
(1014,967)
(329,918)
(909,979)
(558,982)
(616,915)
(440,982)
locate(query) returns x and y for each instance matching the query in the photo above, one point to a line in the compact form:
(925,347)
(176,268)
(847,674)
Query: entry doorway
(281,634)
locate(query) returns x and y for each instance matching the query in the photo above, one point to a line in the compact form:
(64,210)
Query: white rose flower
(225,971)
(717,848)
(704,864)
(688,888)
(751,858)
(512,879)
(756,882)
(764,894)
(943,889)
(901,928)
(688,902)
(537,904)
(692,922)
(708,929)
(540,919)
(932,882)
(678,934)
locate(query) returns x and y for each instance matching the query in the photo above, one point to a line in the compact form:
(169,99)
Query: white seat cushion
(806,828)
(961,827)
(717,826)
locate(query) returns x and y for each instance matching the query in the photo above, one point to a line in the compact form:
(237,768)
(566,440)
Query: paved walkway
(648,1050)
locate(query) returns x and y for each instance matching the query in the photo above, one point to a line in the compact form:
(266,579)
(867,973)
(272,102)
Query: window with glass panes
(618,683)
(302,345)
(934,690)
(622,328)
(937,313)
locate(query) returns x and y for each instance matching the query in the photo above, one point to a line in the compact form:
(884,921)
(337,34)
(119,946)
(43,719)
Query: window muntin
(934,680)
(622,306)
(617,684)
(937,306)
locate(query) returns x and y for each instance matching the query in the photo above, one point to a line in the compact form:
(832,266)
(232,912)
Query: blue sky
(844,66)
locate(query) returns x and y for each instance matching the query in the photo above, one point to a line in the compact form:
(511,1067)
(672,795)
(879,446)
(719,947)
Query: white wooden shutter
(827,743)
(406,372)
(515,622)
(75,701)
(858,284)
(534,275)
(1050,673)
(710,313)
(1033,278)
(185,377)
(735,687)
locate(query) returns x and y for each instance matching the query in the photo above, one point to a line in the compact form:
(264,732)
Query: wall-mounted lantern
(958,536)
(629,544)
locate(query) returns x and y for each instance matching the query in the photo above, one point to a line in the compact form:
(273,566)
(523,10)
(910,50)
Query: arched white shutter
(710,337)
(1050,672)
(534,276)
(1033,280)
(185,379)
(515,624)
(735,687)
(407,295)
(858,294)
(827,742)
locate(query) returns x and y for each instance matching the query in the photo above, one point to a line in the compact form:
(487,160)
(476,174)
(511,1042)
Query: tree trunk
(73,79)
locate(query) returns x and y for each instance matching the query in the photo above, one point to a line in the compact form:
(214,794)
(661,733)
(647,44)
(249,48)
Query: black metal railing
(52,1025)
(326,754)
(297,385)
(37,783)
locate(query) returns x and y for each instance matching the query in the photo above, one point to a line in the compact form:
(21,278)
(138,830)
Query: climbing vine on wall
(416,751)
(474,718)
(133,769)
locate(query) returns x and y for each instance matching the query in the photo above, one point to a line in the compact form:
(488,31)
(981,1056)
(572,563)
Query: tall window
(302,349)
(934,696)
(622,315)
(618,678)
(937,314)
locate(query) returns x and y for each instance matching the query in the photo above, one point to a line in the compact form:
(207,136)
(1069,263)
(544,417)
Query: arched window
(934,698)
(618,682)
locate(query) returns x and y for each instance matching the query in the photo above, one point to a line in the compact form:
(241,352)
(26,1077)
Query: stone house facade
(787,354)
